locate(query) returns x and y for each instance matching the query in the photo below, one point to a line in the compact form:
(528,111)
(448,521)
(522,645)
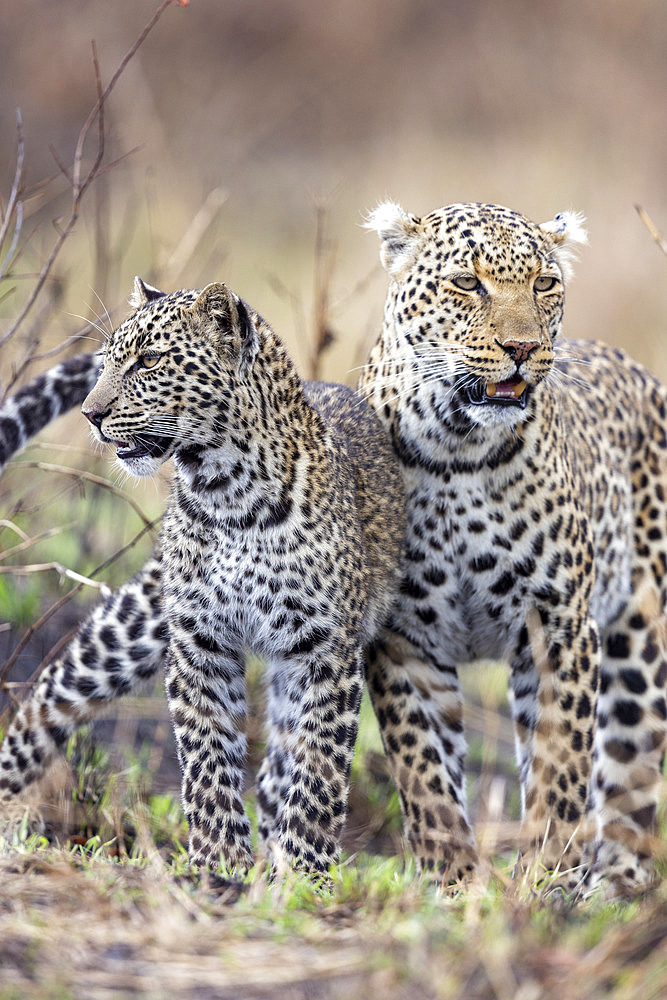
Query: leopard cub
(282,536)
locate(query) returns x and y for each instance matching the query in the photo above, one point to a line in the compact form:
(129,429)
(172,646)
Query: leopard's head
(475,303)
(172,374)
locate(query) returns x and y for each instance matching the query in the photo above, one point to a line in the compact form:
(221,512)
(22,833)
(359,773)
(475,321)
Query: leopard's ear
(219,311)
(400,234)
(143,293)
(567,234)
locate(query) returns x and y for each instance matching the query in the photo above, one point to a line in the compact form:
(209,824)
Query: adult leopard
(535,477)
(536,481)
(282,535)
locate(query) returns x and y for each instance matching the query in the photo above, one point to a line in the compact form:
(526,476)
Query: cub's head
(171,372)
(475,302)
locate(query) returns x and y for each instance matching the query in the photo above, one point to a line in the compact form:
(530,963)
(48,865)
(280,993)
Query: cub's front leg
(206,695)
(314,700)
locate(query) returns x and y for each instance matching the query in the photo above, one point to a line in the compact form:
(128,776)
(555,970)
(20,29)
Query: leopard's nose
(519,350)
(96,417)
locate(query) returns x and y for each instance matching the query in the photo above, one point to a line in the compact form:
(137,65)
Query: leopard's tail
(45,398)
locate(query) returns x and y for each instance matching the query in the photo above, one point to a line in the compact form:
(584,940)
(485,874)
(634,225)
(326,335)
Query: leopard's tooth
(491,388)
(519,387)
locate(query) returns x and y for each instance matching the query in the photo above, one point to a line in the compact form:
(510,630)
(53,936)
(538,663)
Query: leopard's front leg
(206,695)
(314,701)
(420,713)
(555,673)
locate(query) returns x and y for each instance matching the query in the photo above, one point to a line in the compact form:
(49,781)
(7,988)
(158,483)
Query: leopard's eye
(466,282)
(149,360)
(545,284)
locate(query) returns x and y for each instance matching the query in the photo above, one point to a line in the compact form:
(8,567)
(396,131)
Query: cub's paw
(18,816)
(450,864)
(623,876)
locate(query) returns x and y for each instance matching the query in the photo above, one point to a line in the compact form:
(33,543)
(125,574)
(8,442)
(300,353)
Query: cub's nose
(96,417)
(519,350)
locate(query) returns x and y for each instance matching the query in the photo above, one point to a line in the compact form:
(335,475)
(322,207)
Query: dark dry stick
(324,335)
(13,197)
(7,666)
(89,477)
(81,184)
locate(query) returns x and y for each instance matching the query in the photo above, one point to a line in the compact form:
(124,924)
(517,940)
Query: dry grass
(72,925)
(103,906)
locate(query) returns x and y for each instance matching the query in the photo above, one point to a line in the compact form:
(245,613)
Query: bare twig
(324,258)
(28,541)
(193,235)
(82,181)
(17,370)
(14,194)
(9,256)
(7,666)
(73,339)
(652,228)
(296,305)
(62,571)
(89,477)
(15,528)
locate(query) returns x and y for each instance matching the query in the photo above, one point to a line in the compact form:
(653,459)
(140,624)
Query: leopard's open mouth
(152,447)
(513,392)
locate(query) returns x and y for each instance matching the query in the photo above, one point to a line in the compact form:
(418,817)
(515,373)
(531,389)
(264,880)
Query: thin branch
(15,528)
(9,256)
(89,477)
(62,571)
(18,176)
(81,184)
(28,541)
(7,666)
(652,228)
(193,236)
(17,370)
(119,159)
(324,257)
(59,163)
(73,339)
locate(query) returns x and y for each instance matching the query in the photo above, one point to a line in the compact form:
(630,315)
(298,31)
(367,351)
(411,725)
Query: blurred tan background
(279,105)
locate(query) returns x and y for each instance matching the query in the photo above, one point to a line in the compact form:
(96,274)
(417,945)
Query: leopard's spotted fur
(282,536)
(535,533)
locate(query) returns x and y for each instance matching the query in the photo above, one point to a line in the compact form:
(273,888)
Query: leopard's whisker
(107,316)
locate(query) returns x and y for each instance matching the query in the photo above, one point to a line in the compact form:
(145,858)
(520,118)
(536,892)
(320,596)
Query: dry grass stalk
(323,333)
(652,228)
(7,666)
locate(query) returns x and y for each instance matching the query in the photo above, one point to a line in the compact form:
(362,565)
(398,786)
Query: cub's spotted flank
(282,536)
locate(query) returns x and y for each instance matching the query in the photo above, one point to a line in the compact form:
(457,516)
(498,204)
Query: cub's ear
(143,293)
(222,314)
(400,233)
(568,234)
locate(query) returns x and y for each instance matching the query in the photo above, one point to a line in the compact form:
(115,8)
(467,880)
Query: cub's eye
(149,360)
(466,282)
(544,284)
